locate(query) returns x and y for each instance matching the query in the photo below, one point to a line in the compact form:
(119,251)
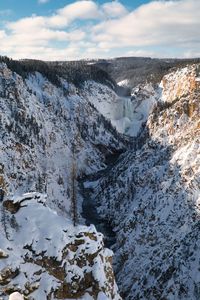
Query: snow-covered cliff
(43,128)
(43,256)
(40,124)
(151,197)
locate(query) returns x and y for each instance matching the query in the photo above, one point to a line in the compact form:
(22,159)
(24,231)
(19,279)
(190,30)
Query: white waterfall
(126,114)
(128,109)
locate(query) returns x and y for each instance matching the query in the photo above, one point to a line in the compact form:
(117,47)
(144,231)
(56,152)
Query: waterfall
(128,109)
(123,108)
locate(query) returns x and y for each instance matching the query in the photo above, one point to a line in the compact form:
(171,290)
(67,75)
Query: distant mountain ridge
(138,70)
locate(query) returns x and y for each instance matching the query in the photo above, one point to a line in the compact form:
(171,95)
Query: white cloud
(2,34)
(27,24)
(154,24)
(114,9)
(105,30)
(80,10)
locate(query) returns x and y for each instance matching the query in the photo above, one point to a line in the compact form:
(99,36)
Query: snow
(39,232)
(27,196)
(102,296)
(16,296)
(124,83)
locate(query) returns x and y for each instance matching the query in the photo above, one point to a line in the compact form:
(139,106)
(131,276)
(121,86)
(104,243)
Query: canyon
(129,148)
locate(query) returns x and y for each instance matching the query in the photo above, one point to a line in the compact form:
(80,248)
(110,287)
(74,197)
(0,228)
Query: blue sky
(65,29)
(21,8)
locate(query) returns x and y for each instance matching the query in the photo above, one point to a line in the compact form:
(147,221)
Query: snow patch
(16,296)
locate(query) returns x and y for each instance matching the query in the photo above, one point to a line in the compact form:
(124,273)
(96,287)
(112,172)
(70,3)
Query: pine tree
(74,188)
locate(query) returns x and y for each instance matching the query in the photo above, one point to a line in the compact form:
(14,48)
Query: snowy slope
(42,127)
(44,256)
(39,124)
(151,197)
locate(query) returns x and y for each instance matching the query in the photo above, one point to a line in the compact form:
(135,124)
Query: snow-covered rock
(16,296)
(48,258)
(178,84)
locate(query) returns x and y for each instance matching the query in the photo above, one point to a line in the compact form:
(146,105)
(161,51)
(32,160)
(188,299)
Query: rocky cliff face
(181,83)
(151,197)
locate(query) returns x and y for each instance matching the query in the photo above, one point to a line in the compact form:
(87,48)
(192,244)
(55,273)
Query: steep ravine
(152,199)
(91,216)
(87,185)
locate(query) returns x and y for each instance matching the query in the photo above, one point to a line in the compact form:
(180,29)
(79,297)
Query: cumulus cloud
(2,34)
(80,10)
(114,9)
(88,29)
(157,23)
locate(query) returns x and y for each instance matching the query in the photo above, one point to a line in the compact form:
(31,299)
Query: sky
(67,30)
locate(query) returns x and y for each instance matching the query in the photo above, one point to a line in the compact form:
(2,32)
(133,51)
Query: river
(87,185)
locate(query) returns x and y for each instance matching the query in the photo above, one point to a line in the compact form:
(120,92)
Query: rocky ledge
(43,256)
